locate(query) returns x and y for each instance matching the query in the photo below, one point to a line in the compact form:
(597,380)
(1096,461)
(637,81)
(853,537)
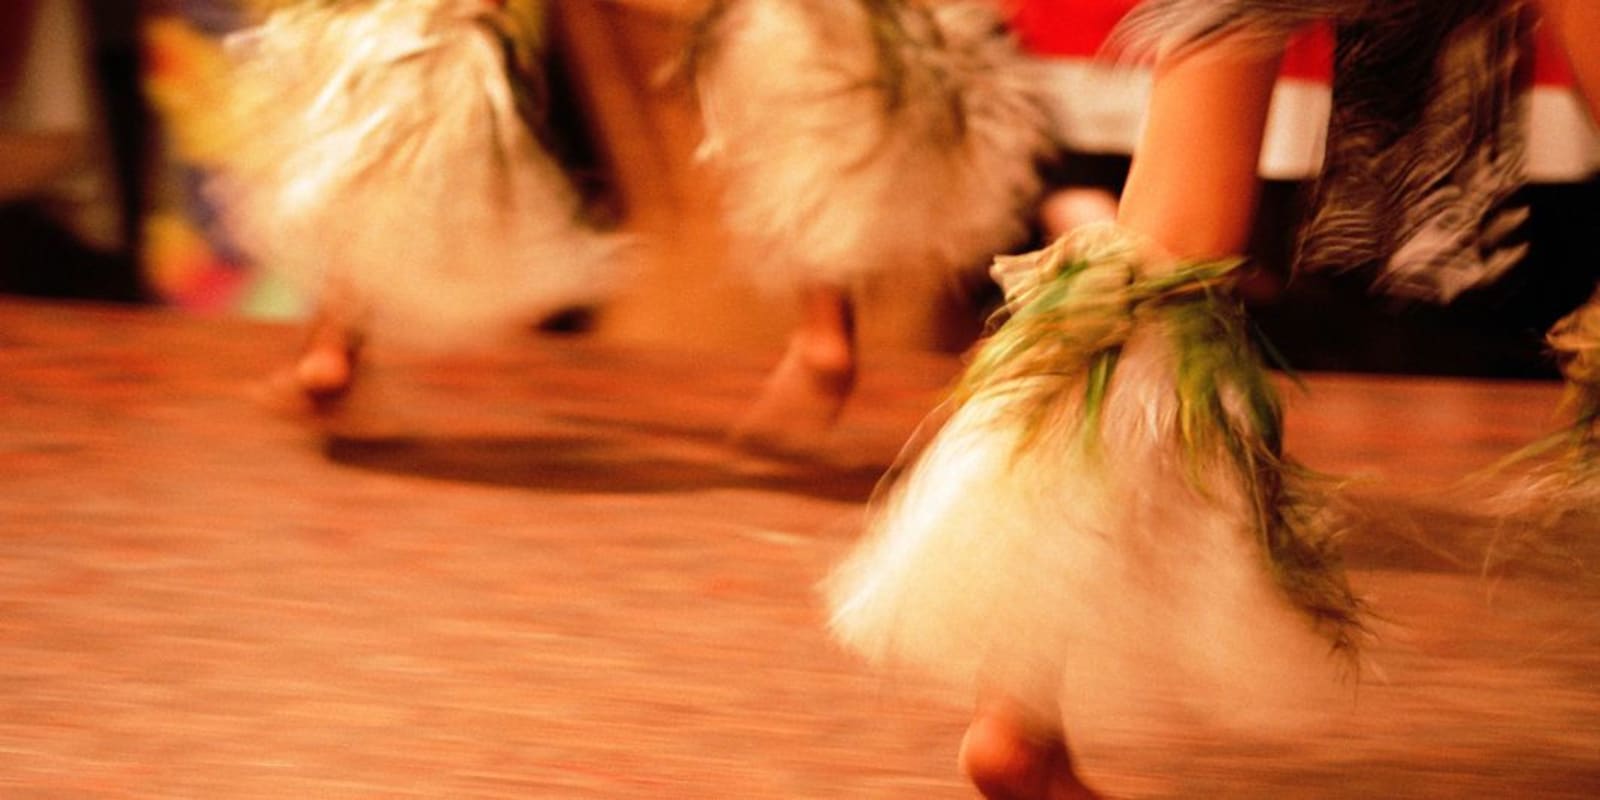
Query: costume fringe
(384,162)
(1105,530)
(856,137)
(1550,515)
(1576,342)
(1425,143)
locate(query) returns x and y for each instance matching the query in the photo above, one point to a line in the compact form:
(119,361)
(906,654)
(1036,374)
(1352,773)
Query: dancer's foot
(805,393)
(328,363)
(802,397)
(1005,763)
(1067,210)
(322,374)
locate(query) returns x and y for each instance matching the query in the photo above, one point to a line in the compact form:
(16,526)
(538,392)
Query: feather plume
(1104,529)
(384,163)
(858,137)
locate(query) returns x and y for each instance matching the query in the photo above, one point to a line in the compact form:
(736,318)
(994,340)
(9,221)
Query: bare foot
(1069,209)
(805,393)
(1005,763)
(322,374)
(802,397)
(327,364)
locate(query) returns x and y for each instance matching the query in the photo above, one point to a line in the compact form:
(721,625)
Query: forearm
(1192,186)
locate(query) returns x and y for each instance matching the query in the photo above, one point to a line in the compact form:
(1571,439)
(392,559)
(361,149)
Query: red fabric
(1550,65)
(1079,28)
(1072,28)
(1310,55)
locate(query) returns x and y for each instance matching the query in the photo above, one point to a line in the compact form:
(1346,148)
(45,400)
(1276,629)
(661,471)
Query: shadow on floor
(622,459)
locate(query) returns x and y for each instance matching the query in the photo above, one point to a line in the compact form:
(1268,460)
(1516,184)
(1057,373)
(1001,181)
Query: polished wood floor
(536,572)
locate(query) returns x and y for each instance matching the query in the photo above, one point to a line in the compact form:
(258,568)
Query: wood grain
(536,572)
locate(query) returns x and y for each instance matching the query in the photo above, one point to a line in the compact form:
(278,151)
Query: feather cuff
(1104,530)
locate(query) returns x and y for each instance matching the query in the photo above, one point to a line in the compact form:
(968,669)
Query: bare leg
(1191,191)
(1192,186)
(1067,209)
(1007,762)
(806,391)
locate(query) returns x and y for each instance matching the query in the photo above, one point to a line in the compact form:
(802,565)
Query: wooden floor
(536,572)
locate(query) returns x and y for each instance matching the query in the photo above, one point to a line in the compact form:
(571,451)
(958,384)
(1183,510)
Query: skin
(806,391)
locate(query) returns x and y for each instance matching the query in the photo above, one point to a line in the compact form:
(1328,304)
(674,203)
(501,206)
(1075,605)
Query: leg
(1075,206)
(806,391)
(1191,206)
(1191,191)
(1192,186)
(1005,761)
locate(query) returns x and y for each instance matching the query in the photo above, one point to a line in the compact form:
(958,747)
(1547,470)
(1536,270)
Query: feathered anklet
(1107,503)
(1075,307)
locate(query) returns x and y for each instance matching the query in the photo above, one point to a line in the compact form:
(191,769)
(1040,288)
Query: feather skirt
(864,137)
(384,163)
(1102,531)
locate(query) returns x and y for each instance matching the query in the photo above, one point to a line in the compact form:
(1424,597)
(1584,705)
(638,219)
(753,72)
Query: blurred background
(99,201)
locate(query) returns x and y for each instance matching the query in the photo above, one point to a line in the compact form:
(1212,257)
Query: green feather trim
(1073,307)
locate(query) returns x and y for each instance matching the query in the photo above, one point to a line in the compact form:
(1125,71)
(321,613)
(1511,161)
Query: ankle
(828,357)
(1001,761)
(1005,762)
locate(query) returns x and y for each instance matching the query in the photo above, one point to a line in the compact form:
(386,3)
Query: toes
(1001,762)
(1005,763)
